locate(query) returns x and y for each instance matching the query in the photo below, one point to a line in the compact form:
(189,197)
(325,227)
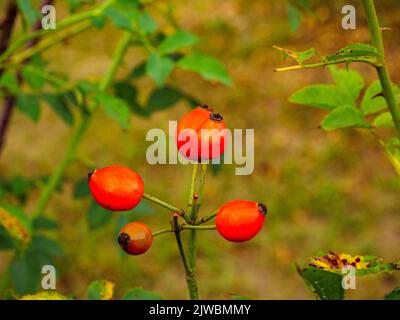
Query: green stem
(192,241)
(191,227)
(71,20)
(162,231)
(207,218)
(326,63)
(185,227)
(191,280)
(80,130)
(49,42)
(58,173)
(166,205)
(383,73)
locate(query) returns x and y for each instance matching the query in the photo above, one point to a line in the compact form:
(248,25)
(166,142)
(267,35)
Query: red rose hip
(135,238)
(201,135)
(116,188)
(240,220)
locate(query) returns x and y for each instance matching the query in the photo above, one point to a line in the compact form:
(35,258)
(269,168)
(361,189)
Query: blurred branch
(81,128)
(9,100)
(71,20)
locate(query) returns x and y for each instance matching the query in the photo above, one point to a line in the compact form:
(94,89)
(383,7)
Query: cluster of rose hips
(118,188)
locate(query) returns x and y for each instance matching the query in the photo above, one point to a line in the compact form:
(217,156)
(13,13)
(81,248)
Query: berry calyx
(201,134)
(135,238)
(116,188)
(240,220)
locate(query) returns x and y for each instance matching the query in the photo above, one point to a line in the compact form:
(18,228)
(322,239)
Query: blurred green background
(325,191)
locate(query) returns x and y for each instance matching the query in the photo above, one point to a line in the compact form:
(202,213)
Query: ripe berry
(197,144)
(135,238)
(116,188)
(240,220)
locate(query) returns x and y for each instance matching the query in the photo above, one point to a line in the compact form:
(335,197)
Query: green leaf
(344,117)
(34,80)
(350,82)
(141,294)
(158,68)
(161,99)
(392,149)
(115,108)
(100,290)
(30,105)
(394,295)
(98,216)
(44,223)
(129,93)
(59,104)
(137,72)
(31,15)
(299,56)
(372,102)
(325,285)
(25,273)
(123,13)
(324,96)
(294,17)
(81,188)
(146,23)
(356,50)
(384,120)
(9,81)
(46,247)
(20,186)
(6,241)
(208,67)
(179,40)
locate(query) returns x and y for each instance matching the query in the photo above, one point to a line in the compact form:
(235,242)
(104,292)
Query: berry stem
(191,280)
(190,227)
(162,231)
(166,205)
(207,218)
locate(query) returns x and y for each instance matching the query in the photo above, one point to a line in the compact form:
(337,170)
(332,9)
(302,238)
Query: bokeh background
(325,191)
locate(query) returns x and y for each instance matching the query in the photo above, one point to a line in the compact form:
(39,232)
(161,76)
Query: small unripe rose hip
(116,188)
(135,238)
(240,220)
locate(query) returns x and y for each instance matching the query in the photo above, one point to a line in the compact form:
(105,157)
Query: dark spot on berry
(195,195)
(358,259)
(90,174)
(344,261)
(262,208)
(353,264)
(123,239)
(205,106)
(216,117)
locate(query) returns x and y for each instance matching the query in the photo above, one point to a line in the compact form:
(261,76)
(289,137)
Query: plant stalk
(80,129)
(383,73)
(191,280)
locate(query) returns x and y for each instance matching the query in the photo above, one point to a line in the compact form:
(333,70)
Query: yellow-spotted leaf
(16,223)
(45,295)
(101,290)
(334,262)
